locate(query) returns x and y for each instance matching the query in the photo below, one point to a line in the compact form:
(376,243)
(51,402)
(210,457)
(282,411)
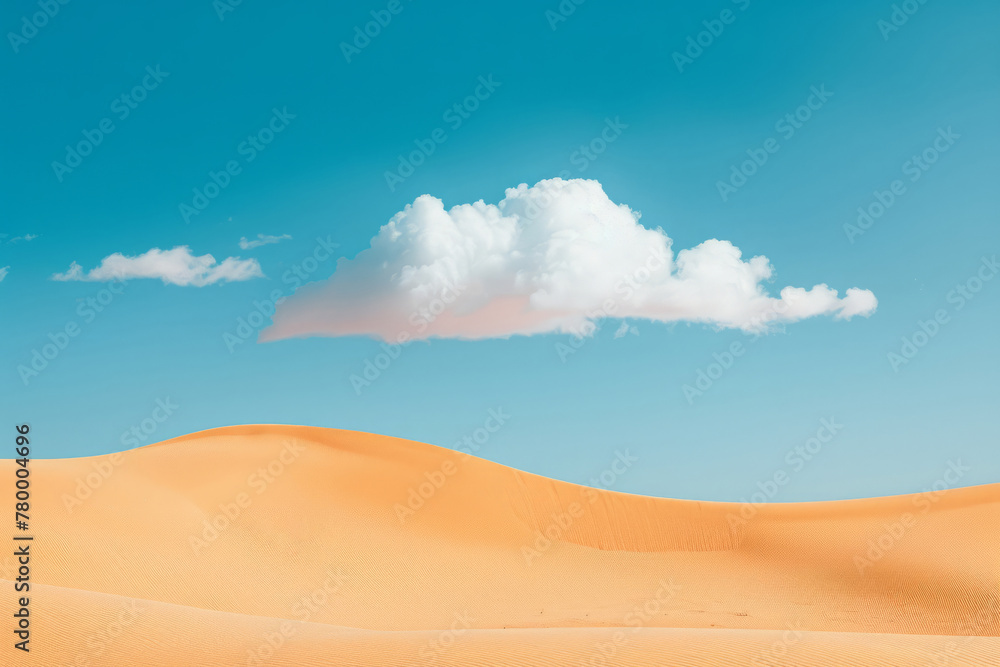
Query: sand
(298,546)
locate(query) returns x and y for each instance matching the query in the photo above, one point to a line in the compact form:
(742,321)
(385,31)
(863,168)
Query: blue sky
(557,83)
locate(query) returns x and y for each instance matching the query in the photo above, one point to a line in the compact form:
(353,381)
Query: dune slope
(304,546)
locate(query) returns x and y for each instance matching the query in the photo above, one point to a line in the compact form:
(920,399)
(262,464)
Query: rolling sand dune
(297,546)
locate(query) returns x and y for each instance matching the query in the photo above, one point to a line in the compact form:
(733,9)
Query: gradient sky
(323,177)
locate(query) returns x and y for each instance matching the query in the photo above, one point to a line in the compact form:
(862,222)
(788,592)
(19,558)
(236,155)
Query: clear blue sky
(893,93)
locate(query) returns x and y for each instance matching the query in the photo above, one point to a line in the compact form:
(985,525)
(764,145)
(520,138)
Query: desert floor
(298,546)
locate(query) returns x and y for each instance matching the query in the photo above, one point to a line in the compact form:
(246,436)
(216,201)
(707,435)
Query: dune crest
(290,545)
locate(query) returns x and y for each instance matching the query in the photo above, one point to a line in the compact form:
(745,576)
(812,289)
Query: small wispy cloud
(262,239)
(624,329)
(16,239)
(174,267)
(3,272)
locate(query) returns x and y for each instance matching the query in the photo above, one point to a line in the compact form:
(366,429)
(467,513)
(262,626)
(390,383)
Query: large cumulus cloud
(548,258)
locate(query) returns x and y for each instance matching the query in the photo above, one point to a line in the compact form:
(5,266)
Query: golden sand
(298,546)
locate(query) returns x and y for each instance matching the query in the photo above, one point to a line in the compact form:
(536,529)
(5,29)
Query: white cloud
(4,270)
(624,329)
(262,239)
(549,258)
(26,237)
(176,267)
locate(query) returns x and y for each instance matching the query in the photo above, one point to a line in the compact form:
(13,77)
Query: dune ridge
(359,549)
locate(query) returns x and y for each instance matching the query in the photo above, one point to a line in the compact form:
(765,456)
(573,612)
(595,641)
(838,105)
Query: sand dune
(279,545)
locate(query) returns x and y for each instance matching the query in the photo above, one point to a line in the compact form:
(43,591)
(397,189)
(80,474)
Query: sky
(171,172)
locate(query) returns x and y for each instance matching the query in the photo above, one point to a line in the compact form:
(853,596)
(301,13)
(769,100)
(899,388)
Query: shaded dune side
(609,521)
(485,543)
(619,522)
